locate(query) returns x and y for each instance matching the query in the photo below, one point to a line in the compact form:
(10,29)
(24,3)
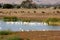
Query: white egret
(0,28)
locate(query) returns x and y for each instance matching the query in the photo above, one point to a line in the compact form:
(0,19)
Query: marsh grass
(14,19)
(53,20)
(10,19)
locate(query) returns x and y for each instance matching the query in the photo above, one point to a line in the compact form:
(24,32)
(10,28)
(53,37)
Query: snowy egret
(0,28)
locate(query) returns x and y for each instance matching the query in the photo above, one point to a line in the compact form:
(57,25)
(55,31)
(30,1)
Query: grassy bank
(9,35)
(35,35)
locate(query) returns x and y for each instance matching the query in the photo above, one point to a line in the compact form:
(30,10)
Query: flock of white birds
(25,23)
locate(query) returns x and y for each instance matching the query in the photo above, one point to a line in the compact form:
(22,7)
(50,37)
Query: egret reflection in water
(27,23)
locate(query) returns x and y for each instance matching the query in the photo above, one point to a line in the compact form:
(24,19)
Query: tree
(8,6)
(0,5)
(28,4)
(23,4)
(18,6)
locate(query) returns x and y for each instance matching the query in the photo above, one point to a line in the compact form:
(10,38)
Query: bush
(55,8)
(43,12)
(58,11)
(5,32)
(18,6)
(8,6)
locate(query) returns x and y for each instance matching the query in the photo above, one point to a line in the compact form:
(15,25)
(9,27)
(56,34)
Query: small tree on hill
(0,5)
(8,6)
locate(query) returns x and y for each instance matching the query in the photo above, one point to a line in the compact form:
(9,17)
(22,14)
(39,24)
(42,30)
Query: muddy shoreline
(36,35)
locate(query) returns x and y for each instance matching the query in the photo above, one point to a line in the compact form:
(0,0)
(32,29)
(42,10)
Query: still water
(27,26)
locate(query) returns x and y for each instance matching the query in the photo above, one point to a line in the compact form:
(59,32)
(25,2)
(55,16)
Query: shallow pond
(27,26)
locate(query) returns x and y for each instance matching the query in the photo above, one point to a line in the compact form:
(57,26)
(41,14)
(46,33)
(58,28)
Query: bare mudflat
(42,35)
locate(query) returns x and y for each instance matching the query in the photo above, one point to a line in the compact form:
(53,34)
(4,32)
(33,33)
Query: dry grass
(32,13)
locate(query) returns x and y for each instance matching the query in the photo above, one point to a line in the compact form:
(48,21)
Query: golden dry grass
(31,13)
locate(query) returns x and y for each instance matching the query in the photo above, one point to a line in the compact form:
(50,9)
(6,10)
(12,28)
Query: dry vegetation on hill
(33,13)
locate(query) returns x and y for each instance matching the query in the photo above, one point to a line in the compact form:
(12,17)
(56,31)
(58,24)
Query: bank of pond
(19,24)
(9,35)
(49,21)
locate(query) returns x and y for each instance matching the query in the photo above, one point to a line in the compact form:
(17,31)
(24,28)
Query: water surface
(27,26)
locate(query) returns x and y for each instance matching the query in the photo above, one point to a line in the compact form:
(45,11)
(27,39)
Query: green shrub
(5,32)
